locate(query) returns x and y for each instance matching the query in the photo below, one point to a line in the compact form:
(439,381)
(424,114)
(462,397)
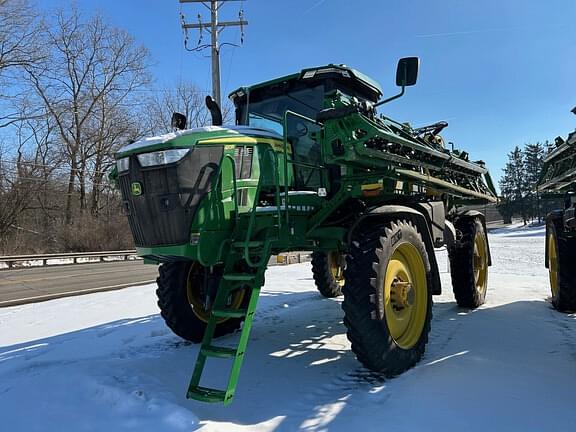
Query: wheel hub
(336,263)
(553,265)
(480,263)
(405,295)
(401,294)
(201,290)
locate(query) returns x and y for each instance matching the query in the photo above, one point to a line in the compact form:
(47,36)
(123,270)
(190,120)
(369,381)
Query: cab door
(302,135)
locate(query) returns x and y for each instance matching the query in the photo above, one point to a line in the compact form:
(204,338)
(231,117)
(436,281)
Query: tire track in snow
(563,322)
(368,388)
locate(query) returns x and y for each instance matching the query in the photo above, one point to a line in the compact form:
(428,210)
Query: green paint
(303,192)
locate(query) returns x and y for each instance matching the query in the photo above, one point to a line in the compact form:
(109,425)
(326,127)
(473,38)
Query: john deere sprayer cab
(559,180)
(308,166)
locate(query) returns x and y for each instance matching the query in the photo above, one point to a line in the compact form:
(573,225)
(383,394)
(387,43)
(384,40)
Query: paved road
(45,283)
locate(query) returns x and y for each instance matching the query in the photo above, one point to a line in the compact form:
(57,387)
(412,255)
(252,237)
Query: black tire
(469,273)
(328,284)
(175,306)
(365,305)
(564,297)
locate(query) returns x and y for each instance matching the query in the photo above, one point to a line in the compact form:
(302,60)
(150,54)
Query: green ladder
(231,281)
(241,252)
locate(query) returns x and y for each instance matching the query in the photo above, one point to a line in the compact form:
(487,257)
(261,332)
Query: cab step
(219,352)
(229,313)
(242,277)
(206,394)
(250,244)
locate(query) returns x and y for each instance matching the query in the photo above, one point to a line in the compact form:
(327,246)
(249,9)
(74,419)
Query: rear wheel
(469,264)
(183,291)
(328,270)
(561,268)
(387,297)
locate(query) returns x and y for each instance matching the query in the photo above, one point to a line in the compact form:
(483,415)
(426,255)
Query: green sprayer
(558,179)
(308,166)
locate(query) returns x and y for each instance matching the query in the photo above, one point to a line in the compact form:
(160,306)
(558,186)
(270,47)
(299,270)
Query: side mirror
(406,75)
(178,121)
(407,71)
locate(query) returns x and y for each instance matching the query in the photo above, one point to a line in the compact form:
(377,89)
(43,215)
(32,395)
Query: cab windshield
(266,109)
(290,108)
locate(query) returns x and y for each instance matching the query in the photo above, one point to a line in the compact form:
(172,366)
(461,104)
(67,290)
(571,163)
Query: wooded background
(518,194)
(73,89)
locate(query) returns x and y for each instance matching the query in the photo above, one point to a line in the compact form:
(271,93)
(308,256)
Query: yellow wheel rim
(553,264)
(196,297)
(335,262)
(405,295)
(480,263)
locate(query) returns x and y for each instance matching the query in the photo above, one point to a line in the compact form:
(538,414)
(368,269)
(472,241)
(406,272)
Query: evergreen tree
(533,161)
(514,185)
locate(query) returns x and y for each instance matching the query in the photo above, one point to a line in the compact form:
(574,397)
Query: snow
(106,362)
(147,142)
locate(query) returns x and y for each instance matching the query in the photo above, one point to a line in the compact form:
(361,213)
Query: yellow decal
(279,146)
(372,186)
(230,142)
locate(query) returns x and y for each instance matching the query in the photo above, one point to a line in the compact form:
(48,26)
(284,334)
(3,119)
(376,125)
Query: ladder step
(239,277)
(206,394)
(251,244)
(229,313)
(220,352)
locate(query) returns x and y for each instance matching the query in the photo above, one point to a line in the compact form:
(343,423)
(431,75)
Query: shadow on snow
(300,373)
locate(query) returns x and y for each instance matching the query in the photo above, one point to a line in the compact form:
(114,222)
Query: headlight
(123,164)
(161,157)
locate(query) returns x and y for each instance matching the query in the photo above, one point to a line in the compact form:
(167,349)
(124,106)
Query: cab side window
(306,152)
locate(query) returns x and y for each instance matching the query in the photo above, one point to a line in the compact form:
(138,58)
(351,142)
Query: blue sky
(501,72)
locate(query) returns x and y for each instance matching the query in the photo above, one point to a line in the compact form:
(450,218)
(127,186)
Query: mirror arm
(391,98)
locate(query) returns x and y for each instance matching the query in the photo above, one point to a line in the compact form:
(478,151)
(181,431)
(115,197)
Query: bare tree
(185,98)
(19,28)
(20,180)
(110,128)
(87,62)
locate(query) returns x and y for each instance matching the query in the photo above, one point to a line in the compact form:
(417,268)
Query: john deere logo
(136,188)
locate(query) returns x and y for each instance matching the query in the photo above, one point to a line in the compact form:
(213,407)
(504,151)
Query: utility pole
(214,27)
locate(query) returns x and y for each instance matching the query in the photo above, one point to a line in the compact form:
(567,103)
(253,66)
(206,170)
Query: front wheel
(561,268)
(387,297)
(469,263)
(182,293)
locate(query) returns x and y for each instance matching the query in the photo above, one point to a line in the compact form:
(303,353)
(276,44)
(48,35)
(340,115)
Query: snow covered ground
(106,362)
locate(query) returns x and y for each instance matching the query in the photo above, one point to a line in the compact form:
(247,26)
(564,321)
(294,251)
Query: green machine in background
(309,165)
(559,179)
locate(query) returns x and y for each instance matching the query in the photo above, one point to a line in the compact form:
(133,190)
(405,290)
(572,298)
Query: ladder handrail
(227,156)
(216,183)
(252,219)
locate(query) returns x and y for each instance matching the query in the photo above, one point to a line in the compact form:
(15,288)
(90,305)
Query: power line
(165,89)
(38,165)
(214,28)
(49,179)
(56,182)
